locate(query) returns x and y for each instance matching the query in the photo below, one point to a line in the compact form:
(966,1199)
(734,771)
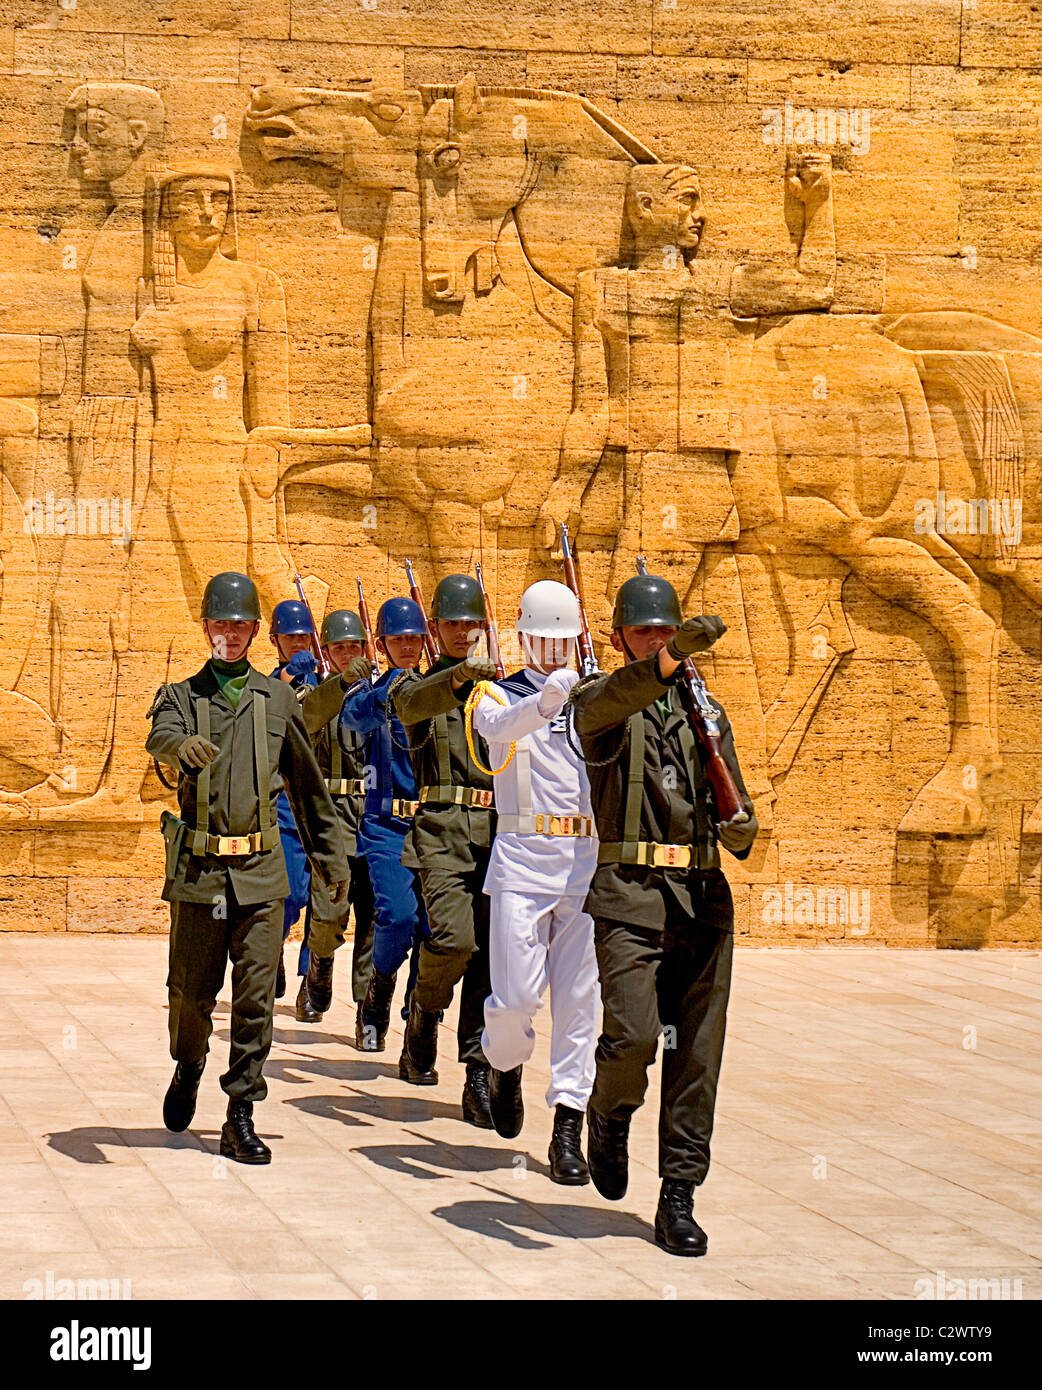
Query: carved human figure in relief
(213,331)
(114,131)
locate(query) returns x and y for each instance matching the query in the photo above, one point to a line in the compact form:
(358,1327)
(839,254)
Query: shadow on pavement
(511,1219)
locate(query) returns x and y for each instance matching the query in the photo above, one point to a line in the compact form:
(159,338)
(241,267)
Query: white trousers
(535,940)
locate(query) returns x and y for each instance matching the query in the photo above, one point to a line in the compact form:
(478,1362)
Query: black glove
(475,668)
(197,752)
(695,635)
(359,668)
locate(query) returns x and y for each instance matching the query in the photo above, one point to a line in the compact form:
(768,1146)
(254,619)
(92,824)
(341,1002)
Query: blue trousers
(399,918)
(298,871)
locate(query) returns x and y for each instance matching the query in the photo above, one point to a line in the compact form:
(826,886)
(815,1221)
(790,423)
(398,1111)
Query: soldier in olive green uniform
(662,909)
(342,763)
(452,837)
(229,732)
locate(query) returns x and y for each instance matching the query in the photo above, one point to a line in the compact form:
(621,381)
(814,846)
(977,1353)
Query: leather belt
(403,809)
(542,824)
(345,786)
(459,796)
(644,853)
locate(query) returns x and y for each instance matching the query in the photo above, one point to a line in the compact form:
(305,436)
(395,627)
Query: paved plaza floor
(879,1135)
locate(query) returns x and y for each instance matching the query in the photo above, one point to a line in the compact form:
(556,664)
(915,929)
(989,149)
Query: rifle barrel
(588,660)
(491,633)
(323,664)
(430,646)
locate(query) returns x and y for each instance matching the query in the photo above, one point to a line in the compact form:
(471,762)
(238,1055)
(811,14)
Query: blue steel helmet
(400,617)
(289,617)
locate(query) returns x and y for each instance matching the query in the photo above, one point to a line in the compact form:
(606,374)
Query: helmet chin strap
(630,655)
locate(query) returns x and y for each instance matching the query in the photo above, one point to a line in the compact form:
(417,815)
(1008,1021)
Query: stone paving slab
(879,1131)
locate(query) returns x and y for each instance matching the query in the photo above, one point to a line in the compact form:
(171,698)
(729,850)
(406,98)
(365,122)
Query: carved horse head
(369,136)
(548,161)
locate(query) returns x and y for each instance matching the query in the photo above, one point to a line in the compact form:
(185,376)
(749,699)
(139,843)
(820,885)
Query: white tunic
(558,786)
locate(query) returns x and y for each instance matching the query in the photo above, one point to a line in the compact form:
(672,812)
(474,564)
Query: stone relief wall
(315,287)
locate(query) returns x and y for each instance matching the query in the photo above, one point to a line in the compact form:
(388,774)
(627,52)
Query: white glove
(555,692)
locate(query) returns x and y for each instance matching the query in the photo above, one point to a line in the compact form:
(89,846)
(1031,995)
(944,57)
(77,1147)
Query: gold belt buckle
(671,856)
(482,797)
(234,844)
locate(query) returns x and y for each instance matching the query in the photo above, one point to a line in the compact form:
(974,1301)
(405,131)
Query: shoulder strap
(336,755)
(523,763)
(202,786)
(441,744)
(634,789)
(261,767)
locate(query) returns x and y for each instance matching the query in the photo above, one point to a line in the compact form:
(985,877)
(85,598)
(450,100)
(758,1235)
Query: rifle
(491,635)
(367,628)
(588,662)
(430,646)
(323,664)
(703,716)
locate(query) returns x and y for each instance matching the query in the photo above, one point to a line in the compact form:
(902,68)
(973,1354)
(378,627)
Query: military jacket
(233,806)
(675,804)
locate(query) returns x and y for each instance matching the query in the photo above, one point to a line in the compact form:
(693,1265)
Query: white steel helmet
(549,609)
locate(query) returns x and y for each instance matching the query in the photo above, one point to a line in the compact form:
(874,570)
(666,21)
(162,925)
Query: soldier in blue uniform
(292,633)
(399,919)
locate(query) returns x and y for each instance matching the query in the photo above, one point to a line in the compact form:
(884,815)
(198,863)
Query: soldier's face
(403,652)
(458,637)
(287,644)
(547,654)
(642,642)
(230,640)
(198,212)
(338,654)
(105,145)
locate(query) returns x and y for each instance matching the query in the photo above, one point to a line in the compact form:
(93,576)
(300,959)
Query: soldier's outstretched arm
(321,704)
(316,819)
(170,728)
(417,697)
(606,703)
(505,723)
(364,708)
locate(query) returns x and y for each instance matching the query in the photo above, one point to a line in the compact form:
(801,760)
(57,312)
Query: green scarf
(231,677)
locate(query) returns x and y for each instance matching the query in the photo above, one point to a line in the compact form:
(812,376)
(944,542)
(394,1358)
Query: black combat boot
(567,1165)
(320,981)
(280,978)
(676,1230)
(420,1048)
(238,1137)
(375,1011)
(505,1102)
(475,1096)
(179,1101)
(306,1011)
(606,1149)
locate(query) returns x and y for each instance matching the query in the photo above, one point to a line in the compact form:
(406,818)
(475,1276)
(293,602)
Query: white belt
(579,826)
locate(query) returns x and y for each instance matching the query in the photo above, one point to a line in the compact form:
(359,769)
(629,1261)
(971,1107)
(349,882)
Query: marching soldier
(291,633)
(342,763)
(542,861)
(236,739)
(399,920)
(452,837)
(662,908)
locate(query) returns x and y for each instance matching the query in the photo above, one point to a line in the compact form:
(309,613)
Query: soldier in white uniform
(543,859)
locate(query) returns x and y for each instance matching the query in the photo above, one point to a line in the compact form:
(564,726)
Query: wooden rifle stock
(491,635)
(430,646)
(587,661)
(319,654)
(367,627)
(700,711)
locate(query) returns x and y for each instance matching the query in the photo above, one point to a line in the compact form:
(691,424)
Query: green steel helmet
(230,597)
(458,598)
(646,600)
(342,625)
